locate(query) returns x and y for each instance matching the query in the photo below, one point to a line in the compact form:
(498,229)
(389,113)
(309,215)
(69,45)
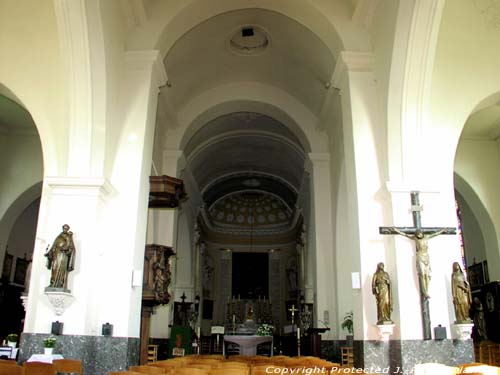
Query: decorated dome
(250,209)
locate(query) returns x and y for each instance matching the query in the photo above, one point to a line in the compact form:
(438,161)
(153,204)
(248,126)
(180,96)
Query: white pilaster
(322,243)
(82,44)
(362,173)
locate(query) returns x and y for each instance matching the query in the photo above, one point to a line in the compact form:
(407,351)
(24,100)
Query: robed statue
(61,258)
(460,291)
(381,288)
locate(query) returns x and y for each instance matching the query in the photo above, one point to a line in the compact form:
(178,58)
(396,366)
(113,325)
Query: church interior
(241,168)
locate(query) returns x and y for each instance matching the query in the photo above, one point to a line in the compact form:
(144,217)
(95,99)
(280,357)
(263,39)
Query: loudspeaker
(439,333)
(57,328)
(107,329)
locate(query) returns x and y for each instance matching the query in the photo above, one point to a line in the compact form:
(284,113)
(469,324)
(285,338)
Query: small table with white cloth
(8,352)
(44,358)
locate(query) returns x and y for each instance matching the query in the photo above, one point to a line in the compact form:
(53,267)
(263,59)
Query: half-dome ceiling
(250,209)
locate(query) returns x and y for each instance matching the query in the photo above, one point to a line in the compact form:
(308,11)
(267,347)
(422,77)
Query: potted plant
(12,340)
(48,345)
(348,324)
(265,330)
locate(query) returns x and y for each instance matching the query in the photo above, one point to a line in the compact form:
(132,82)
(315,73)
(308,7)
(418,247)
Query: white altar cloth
(248,343)
(44,358)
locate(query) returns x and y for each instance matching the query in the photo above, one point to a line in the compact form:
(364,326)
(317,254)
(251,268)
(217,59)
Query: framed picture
(20,273)
(7,266)
(476,276)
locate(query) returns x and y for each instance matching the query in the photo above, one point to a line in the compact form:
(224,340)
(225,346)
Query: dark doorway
(250,275)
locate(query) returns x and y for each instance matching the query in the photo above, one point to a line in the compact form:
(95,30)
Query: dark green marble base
(99,354)
(401,356)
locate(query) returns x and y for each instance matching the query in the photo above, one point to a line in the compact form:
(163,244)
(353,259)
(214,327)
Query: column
(108,218)
(322,243)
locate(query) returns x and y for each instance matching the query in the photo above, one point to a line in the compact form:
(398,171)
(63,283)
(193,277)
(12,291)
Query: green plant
(265,330)
(12,337)
(347,322)
(49,343)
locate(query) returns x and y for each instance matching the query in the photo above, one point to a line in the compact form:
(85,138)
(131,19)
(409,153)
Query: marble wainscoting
(401,356)
(99,354)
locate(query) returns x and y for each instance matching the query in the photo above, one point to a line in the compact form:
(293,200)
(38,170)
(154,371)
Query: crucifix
(293,310)
(420,235)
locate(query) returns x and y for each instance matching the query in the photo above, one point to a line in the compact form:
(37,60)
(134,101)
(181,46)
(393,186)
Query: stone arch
(483,218)
(252,97)
(15,209)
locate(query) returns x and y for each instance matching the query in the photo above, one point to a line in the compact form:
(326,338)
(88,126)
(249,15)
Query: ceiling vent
(248,41)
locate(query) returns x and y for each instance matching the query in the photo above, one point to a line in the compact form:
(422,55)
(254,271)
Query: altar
(248,343)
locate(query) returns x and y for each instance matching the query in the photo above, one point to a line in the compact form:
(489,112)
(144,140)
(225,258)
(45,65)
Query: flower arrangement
(265,330)
(11,337)
(49,343)
(347,322)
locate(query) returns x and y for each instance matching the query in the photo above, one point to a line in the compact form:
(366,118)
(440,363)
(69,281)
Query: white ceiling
(295,61)
(483,124)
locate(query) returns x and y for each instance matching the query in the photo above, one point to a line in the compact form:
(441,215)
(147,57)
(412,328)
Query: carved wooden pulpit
(166,192)
(156,280)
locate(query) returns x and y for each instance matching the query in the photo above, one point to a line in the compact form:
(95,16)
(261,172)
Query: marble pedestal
(462,331)
(401,356)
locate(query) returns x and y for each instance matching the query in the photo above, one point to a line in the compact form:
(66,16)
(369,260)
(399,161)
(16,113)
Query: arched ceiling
(249,45)
(483,124)
(13,117)
(233,148)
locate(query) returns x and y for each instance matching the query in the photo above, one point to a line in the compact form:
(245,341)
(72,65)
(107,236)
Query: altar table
(248,343)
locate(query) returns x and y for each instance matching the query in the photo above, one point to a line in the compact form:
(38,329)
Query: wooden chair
(7,362)
(189,371)
(38,368)
(11,369)
(152,353)
(147,369)
(68,366)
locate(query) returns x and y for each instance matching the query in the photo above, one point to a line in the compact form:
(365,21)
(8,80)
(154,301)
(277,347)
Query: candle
(298,333)
(234,318)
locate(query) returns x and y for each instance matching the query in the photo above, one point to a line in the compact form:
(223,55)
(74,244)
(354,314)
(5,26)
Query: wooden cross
(420,235)
(293,310)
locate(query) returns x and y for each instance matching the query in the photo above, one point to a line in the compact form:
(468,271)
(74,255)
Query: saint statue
(61,258)
(381,288)
(479,322)
(460,291)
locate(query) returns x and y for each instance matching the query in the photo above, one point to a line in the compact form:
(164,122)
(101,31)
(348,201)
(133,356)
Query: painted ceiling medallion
(251,182)
(249,40)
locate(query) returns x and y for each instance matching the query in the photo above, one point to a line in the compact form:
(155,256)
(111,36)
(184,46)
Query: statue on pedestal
(460,291)
(381,288)
(61,258)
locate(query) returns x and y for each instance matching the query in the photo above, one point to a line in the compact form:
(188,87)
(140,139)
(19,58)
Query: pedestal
(385,331)
(59,299)
(24,301)
(462,331)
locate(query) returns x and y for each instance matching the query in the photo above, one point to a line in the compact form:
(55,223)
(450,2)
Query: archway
(21,159)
